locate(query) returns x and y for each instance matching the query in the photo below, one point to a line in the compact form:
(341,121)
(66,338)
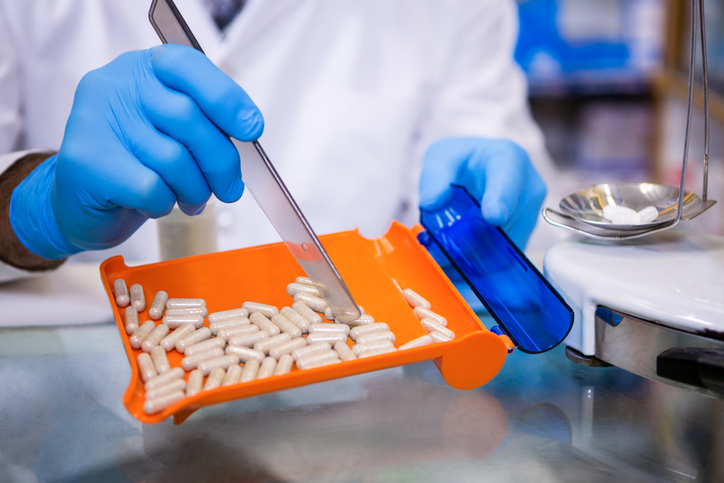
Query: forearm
(12,251)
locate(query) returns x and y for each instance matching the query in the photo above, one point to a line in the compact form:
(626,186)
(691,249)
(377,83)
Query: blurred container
(180,235)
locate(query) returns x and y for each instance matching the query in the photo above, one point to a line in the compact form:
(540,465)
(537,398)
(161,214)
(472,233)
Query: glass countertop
(543,419)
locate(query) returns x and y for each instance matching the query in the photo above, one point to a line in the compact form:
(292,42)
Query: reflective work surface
(541,419)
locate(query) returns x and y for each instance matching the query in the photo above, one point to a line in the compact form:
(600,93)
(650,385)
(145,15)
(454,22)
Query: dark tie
(224,11)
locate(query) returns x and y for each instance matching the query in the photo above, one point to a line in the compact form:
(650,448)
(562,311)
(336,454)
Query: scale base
(588,361)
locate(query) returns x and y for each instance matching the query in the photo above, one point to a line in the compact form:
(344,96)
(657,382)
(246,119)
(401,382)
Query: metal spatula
(269,190)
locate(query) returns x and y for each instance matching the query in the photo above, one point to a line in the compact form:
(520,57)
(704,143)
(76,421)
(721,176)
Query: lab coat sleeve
(10,112)
(482,91)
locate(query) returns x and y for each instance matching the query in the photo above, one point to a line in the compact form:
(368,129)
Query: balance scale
(652,306)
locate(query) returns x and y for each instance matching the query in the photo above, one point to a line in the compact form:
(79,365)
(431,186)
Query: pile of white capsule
(255,341)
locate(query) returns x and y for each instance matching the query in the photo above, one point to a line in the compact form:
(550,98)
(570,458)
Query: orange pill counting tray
(375,270)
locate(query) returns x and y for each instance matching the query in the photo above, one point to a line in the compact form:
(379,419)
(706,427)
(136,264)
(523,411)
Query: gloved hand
(146,130)
(497,172)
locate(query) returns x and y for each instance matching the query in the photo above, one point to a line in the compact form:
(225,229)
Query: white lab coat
(352,92)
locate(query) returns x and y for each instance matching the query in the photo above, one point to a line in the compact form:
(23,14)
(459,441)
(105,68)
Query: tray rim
(497,347)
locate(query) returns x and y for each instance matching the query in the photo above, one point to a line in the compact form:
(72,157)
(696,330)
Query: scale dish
(585,208)
(587,205)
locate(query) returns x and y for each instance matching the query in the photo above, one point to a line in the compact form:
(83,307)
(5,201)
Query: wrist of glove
(32,217)
(497,172)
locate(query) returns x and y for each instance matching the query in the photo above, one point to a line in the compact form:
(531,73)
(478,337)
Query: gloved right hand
(145,131)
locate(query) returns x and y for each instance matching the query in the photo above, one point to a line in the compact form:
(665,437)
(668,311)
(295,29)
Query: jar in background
(180,235)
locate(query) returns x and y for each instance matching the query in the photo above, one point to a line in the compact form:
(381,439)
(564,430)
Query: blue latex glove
(145,131)
(496,172)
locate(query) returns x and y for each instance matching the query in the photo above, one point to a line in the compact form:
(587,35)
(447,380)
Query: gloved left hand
(496,172)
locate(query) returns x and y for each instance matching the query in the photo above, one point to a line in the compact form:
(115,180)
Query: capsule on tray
(267,341)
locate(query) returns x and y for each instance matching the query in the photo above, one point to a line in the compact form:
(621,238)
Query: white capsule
(249,371)
(248,340)
(173,386)
(364,319)
(423,313)
(153,406)
(376,352)
(284,365)
(131,328)
(191,362)
(318,360)
(314,303)
(222,361)
(195,383)
(625,216)
(230,332)
(304,281)
(165,378)
(228,315)
(610,211)
(331,337)
(375,336)
(137,338)
(344,352)
(153,338)
(419,342)
(201,311)
(648,214)
(216,376)
(267,368)
(439,337)
(172,304)
(138,299)
(130,316)
(158,304)
(327,327)
(309,314)
(218,325)
(160,360)
(367,329)
(176,321)
(120,292)
(287,347)
(361,349)
(266,344)
(146,367)
(431,326)
(193,338)
(281,321)
(328,314)
(204,346)
(261,321)
(295,288)
(264,309)
(233,373)
(245,354)
(292,330)
(169,342)
(311,349)
(295,318)
(414,299)
(278,320)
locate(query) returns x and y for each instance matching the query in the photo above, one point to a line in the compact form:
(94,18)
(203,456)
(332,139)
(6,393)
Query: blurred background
(608,87)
